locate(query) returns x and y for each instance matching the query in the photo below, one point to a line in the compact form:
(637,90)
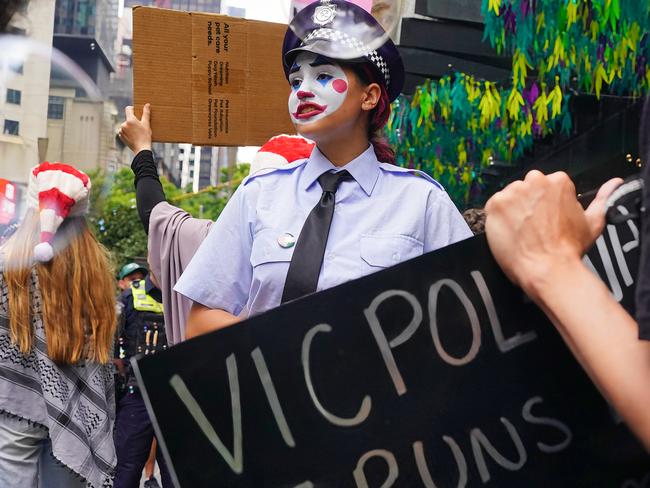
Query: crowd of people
(338,208)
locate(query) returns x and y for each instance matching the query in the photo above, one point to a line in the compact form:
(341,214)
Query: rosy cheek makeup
(340,86)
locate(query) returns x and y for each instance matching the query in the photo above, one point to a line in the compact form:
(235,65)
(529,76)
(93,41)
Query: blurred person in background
(129,273)
(142,331)
(475,218)
(57,325)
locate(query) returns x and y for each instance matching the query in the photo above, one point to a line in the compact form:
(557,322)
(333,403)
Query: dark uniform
(142,332)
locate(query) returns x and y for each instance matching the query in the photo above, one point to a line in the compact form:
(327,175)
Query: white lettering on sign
(482,449)
(528,416)
(614,285)
(480,443)
(423,468)
(632,483)
(393,471)
(366,404)
(235,459)
(620,251)
(503,344)
(272,397)
(469,310)
(385,346)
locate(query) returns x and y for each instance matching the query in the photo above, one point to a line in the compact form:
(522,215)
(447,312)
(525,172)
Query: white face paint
(318,88)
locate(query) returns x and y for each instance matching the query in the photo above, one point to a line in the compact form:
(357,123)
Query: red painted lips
(307,110)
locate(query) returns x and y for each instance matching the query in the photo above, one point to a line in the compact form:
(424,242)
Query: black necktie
(304,269)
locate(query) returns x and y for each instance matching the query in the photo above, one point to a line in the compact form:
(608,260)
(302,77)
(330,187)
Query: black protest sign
(434,373)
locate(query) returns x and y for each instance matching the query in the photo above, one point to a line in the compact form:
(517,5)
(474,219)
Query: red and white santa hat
(57,191)
(281,150)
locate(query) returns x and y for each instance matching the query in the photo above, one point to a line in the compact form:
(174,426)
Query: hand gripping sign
(434,373)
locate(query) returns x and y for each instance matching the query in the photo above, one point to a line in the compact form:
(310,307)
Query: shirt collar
(364,169)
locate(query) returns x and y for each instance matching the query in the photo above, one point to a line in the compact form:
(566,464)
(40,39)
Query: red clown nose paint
(339,85)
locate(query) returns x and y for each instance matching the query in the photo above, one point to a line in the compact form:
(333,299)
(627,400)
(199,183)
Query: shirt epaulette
(391,168)
(267,171)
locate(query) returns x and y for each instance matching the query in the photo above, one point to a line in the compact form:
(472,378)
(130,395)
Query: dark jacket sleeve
(643,282)
(148,189)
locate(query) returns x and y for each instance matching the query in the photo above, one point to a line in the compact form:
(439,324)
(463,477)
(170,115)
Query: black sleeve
(148,189)
(643,281)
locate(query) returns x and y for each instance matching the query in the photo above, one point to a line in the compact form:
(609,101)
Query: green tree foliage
(114,216)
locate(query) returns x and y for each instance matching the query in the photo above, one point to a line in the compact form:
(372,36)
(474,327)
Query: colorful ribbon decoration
(454,127)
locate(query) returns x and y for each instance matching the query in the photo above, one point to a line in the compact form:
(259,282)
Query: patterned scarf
(75,403)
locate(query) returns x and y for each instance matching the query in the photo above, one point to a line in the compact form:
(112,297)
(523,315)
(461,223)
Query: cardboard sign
(211,79)
(434,373)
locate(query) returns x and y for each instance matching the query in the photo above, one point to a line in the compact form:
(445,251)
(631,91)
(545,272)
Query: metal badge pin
(325,13)
(286,240)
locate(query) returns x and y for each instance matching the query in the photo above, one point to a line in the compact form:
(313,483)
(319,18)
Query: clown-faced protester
(57,324)
(143,332)
(174,235)
(280,237)
(538,234)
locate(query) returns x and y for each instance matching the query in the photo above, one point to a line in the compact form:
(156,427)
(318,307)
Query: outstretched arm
(538,232)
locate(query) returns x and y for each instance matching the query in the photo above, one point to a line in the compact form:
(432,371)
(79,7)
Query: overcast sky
(267,10)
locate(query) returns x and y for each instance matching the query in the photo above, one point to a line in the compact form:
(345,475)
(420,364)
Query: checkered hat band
(354,45)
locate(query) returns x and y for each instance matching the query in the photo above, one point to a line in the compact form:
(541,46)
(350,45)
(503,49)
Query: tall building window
(55,107)
(13,96)
(16,67)
(12,127)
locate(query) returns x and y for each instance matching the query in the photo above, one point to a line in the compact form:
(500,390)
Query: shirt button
(396,256)
(331,256)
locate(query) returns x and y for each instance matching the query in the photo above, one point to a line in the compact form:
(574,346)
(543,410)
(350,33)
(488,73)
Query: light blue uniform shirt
(383,216)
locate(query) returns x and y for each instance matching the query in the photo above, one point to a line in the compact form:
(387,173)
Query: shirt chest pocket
(383,251)
(272,246)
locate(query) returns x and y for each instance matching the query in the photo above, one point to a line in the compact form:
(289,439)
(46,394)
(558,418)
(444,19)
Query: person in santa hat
(57,321)
(174,235)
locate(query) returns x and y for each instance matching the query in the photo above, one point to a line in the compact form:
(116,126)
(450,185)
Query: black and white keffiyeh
(75,403)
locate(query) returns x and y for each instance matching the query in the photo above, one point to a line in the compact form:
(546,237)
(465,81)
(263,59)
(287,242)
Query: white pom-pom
(44,252)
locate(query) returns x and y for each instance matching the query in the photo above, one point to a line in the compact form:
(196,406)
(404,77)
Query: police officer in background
(142,331)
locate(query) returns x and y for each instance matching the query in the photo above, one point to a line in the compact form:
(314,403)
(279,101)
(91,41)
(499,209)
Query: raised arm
(136,134)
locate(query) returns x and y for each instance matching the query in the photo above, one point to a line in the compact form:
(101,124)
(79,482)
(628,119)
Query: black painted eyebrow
(321,61)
